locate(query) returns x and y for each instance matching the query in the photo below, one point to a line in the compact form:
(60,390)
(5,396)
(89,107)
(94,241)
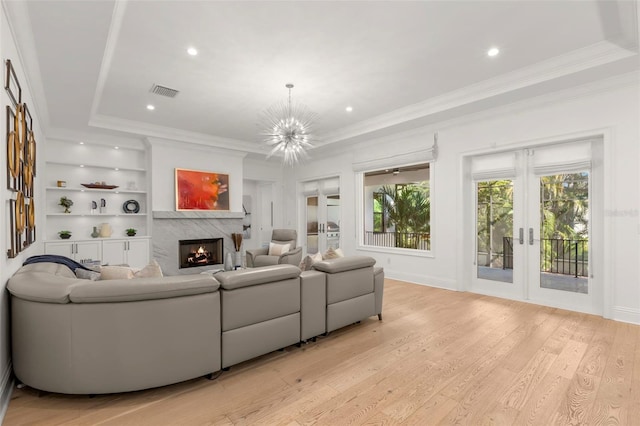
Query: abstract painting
(199,190)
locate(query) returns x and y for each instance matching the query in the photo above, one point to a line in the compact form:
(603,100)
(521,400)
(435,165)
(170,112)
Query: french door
(533,226)
(321,214)
(323,222)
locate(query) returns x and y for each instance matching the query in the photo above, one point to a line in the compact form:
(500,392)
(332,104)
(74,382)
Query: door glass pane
(494,224)
(312,225)
(333,221)
(564,232)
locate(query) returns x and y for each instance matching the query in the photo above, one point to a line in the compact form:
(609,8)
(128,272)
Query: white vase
(228,262)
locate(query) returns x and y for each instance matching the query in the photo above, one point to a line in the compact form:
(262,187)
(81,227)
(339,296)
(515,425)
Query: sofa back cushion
(285,236)
(127,290)
(349,284)
(230,280)
(250,305)
(43,282)
(341,264)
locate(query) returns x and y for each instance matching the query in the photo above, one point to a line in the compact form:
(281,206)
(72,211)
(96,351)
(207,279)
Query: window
(378,212)
(397,207)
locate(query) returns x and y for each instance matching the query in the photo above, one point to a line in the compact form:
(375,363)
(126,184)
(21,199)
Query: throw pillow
(309,260)
(339,252)
(278,249)
(306,263)
(83,274)
(115,273)
(152,270)
(330,254)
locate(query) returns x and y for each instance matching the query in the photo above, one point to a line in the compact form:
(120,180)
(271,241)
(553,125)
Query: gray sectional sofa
(78,336)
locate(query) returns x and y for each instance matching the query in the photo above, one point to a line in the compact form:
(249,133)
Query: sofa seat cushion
(248,277)
(126,290)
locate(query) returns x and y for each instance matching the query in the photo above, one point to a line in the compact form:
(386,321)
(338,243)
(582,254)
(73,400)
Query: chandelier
(288,130)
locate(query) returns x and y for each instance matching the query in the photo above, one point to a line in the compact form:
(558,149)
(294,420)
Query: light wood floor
(438,357)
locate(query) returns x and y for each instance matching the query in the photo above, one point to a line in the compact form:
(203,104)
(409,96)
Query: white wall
(8,50)
(165,156)
(610,106)
(250,191)
(263,172)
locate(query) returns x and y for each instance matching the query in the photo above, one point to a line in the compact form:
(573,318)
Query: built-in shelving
(90,190)
(91,163)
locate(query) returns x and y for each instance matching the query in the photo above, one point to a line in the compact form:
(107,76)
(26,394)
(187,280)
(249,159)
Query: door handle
(521,236)
(530,236)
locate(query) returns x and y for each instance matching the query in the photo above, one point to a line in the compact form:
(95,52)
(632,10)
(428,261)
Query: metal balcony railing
(558,256)
(410,240)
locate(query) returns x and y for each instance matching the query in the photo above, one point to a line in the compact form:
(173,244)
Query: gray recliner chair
(260,256)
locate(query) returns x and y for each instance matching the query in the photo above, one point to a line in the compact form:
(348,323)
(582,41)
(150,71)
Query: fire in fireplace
(201,252)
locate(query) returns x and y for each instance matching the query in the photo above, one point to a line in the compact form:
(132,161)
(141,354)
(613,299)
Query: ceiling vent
(164,91)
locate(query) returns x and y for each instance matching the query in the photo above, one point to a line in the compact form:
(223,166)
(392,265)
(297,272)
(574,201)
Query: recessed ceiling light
(116,169)
(150,107)
(81,165)
(493,52)
(81,143)
(192,51)
(116,147)
(349,108)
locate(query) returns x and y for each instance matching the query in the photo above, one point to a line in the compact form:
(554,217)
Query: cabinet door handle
(521,235)
(530,236)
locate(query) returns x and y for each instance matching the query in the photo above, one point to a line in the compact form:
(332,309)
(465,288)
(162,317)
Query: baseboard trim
(622,314)
(444,283)
(6,390)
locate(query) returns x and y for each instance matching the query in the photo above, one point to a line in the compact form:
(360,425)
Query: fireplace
(200,252)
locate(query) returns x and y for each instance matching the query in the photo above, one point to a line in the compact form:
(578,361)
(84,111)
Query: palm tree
(408,209)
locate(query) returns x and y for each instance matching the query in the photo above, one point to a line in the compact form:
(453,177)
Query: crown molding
(170,143)
(424,132)
(600,53)
(95,138)
(162,132)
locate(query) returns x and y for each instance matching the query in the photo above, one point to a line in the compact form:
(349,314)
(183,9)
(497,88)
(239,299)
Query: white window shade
(331,186)
(310,188)
(564,167)
(565,158)
(494,166)
(423,156)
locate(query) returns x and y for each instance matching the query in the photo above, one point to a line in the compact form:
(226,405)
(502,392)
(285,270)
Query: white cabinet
(76,250)
(133,252)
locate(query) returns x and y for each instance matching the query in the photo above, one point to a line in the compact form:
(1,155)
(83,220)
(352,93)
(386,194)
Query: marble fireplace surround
(171,226)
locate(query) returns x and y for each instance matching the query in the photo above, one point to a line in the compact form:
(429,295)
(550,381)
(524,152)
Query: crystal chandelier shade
(288,130)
